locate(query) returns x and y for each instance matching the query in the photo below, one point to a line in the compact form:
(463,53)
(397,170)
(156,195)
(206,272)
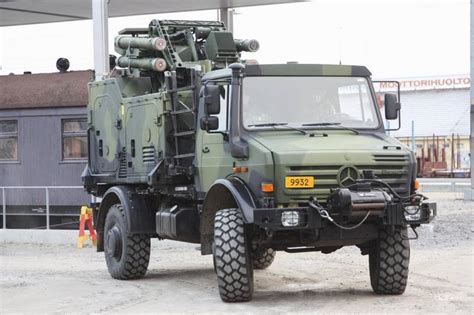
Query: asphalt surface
(47,278)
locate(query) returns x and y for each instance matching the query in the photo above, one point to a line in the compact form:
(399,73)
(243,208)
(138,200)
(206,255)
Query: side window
(74,139)
(224,114)
(8,140)
(355,104)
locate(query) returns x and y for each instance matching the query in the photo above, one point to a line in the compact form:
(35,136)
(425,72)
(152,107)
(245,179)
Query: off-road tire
(388,262)
(131,257)
(262,259)
(232,260)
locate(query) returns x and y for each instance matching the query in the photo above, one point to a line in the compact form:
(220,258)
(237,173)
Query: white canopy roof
(22,12)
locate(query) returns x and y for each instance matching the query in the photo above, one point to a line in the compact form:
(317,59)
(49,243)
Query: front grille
(148,154)
(402,158)
(394,169)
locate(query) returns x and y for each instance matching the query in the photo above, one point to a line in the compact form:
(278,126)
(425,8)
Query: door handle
(205,150)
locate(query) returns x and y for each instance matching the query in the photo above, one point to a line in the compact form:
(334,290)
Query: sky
(394,39)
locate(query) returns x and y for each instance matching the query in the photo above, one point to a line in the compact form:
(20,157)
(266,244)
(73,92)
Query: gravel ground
(65,279)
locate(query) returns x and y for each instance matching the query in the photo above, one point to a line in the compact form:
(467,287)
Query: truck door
(141,134)
(105,136)
(213,156)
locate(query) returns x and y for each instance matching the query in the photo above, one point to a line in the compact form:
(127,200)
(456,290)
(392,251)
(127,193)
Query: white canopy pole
(100,23)
(469,193)
(227,16)
(230,20)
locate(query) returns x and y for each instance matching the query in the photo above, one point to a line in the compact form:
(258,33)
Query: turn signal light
(416,184)
(240,169)
(267,187)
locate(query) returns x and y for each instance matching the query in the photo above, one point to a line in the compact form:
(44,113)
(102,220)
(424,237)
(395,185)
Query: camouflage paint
(129,109)
(322,157)
(214,161)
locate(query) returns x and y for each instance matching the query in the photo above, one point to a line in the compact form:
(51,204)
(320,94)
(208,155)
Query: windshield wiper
(327,124)
(322,124)
(278,124)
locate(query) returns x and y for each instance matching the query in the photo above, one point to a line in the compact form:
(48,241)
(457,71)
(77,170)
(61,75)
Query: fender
(232,192)
(138,210)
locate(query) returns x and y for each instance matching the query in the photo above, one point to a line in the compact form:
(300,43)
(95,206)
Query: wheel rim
(114,242)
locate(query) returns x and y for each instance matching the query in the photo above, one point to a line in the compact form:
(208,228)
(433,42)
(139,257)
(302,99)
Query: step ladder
(178,109)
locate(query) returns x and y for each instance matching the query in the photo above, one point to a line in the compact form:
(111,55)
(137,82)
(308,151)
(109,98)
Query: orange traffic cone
(86,218)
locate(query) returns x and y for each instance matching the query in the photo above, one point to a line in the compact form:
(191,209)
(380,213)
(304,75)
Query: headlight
(290,218)
(412,213)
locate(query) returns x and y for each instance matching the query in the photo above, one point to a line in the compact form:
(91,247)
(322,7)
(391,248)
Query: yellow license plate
(299,182)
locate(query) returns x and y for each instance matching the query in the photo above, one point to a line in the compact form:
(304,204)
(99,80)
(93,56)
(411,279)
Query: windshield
(311,102)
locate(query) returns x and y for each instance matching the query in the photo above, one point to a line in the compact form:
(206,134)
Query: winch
(371,196)
(348,202)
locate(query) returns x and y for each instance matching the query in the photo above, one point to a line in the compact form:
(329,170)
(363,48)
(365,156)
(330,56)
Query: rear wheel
(231,256)
(262,259)
(127,256)
(388,262)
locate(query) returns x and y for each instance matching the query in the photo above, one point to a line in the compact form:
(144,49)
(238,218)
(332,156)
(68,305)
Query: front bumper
(315,232)
(310,218)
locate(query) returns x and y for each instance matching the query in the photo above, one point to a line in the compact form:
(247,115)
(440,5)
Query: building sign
(427,83)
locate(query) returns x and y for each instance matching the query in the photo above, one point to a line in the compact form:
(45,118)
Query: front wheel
(231,256)
(263,258)
(127,256)
(388,261)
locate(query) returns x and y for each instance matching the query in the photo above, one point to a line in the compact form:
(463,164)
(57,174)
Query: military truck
(189,142)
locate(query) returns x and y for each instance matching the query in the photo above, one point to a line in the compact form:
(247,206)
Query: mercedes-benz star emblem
(347,175)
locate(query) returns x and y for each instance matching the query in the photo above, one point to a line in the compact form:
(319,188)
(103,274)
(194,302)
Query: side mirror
(392,106)
(209,123)
(212,99)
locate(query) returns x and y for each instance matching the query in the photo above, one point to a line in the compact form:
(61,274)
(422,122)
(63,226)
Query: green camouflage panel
(323,158)
(214,161)
(124,125)
(104,100)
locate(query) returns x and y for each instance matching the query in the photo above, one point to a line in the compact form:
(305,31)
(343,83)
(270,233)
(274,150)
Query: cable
(324,214)
(412,213)
(347,227)
(380,182)
(411,238)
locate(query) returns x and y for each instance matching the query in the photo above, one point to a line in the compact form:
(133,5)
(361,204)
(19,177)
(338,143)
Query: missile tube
(144,43)
(155,64)
(250,45)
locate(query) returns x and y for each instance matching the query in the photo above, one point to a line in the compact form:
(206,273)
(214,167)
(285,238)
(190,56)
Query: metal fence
(452,187)
(426,186)
(47,194)
(444,186)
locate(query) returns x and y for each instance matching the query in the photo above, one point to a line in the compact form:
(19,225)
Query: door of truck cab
(213,156)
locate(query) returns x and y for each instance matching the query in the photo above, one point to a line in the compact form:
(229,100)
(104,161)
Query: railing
(448,186)
(46,189)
